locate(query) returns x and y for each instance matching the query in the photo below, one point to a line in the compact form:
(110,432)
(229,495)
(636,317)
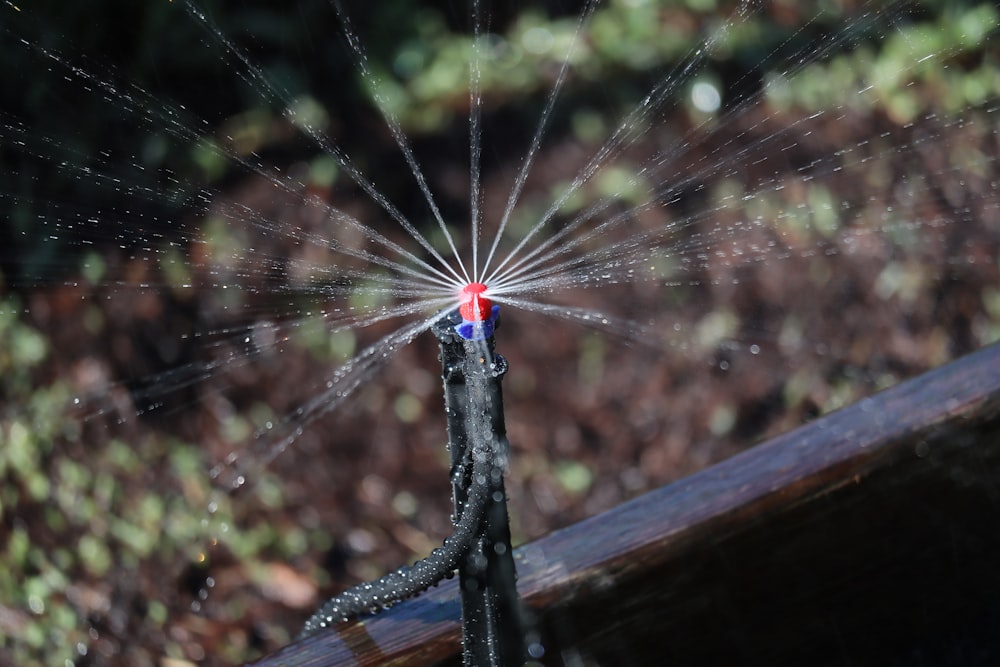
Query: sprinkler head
(474,307)
(479,315)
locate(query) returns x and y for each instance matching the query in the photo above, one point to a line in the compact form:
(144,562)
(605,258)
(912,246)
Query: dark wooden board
(869,536)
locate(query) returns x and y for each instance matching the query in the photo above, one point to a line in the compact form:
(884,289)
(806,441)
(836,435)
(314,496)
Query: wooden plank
(860,538)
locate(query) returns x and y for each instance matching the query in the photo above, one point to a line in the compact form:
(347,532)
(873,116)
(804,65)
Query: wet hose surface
(480,547)
(492,632)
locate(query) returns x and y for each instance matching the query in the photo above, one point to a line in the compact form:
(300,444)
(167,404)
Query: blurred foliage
(167,63)
(78,515)
(922,52)
(74,517)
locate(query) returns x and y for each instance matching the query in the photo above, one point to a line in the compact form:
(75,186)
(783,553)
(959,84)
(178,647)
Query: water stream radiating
(704,228)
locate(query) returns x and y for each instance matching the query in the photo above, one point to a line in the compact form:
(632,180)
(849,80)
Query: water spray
(480,547)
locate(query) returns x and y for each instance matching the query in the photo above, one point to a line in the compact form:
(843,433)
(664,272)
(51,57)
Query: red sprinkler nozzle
(475,307)
(479,315)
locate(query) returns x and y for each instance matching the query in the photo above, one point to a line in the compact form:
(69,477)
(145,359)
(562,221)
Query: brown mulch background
(594,418)
(633,414)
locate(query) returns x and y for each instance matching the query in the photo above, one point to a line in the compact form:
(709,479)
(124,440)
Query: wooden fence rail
(869,536)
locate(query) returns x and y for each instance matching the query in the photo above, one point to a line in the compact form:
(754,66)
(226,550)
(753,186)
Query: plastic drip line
(492,632)
(479,548)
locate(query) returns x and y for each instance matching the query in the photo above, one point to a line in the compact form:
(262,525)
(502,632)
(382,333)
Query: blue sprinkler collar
(481,330)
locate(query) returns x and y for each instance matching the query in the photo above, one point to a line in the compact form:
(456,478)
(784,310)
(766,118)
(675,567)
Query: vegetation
(113,533)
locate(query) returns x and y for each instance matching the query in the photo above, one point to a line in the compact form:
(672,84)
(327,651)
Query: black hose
(407,581)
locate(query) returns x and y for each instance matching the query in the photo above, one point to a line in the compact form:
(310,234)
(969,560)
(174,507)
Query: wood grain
(868,536)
